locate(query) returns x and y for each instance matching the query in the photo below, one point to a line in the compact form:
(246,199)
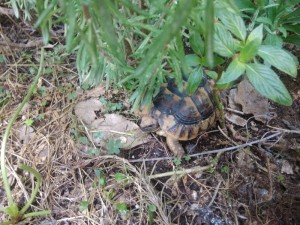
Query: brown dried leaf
(86,110)
(251,101)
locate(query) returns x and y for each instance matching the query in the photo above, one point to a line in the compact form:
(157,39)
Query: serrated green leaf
(233,72)
(192,60)
(249,51)
(274,40)
(197,43)
(268,84)
(212,74)
(122,208)
(177,161)
(28,122)
(224,43)
(120,177)
(194,80)
(235,24)
(217,61)
(113,146)
(278,58)
(256,33)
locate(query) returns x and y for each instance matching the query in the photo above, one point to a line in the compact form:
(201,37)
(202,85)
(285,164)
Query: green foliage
(151,209)
(28,122)
(136,46)
(4,96)
(253,58)
(93,151)
(84,205)
(120,177)
(72,96)
(281,18)
(122,208)
(280,179)
(177,161)
(225,169)
(83,140)
(113,146)
(40,116)
(2,58)
(101,177)
(111,106)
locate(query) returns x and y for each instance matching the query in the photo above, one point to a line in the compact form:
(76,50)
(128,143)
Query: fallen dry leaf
(86,110)
(117,127)
(95,92)
(251,101)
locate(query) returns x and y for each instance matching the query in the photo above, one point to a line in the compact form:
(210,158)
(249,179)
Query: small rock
(286,167)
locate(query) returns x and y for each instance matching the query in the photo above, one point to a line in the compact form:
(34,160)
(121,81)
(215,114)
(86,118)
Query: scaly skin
(175,146)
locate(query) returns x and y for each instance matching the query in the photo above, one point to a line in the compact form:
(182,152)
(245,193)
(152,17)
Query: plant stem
(184,171)
(8,128)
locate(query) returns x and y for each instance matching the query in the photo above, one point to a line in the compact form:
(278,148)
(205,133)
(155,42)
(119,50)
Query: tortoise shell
(182,116)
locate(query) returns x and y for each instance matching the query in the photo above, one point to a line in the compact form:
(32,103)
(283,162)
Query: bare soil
(255,184)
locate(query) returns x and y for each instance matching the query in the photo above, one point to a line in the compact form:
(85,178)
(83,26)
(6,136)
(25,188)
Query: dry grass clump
(77,189)
(118,182)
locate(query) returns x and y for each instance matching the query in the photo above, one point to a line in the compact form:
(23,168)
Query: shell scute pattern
(182,116)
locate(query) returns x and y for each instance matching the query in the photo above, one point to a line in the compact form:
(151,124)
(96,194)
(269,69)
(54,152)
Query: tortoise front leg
(175,146)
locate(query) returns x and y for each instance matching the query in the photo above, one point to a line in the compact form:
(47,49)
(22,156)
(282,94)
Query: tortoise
(182,117)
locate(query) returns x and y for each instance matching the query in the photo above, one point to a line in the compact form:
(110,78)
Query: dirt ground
(257,182)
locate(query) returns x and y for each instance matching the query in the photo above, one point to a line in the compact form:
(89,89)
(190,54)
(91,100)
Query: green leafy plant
(100,175)
(225,169)
(251,57)
(93,151)
(2,58)
(120,177)
(72,96)
(84,205)
(281,19)
(15,213)
(113,146)
(280,179)
(122,208)
(40,116)
(177,161)
(83,140)
(28,122)
(111,106)
(152,209)
(4,96)
(140,44)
